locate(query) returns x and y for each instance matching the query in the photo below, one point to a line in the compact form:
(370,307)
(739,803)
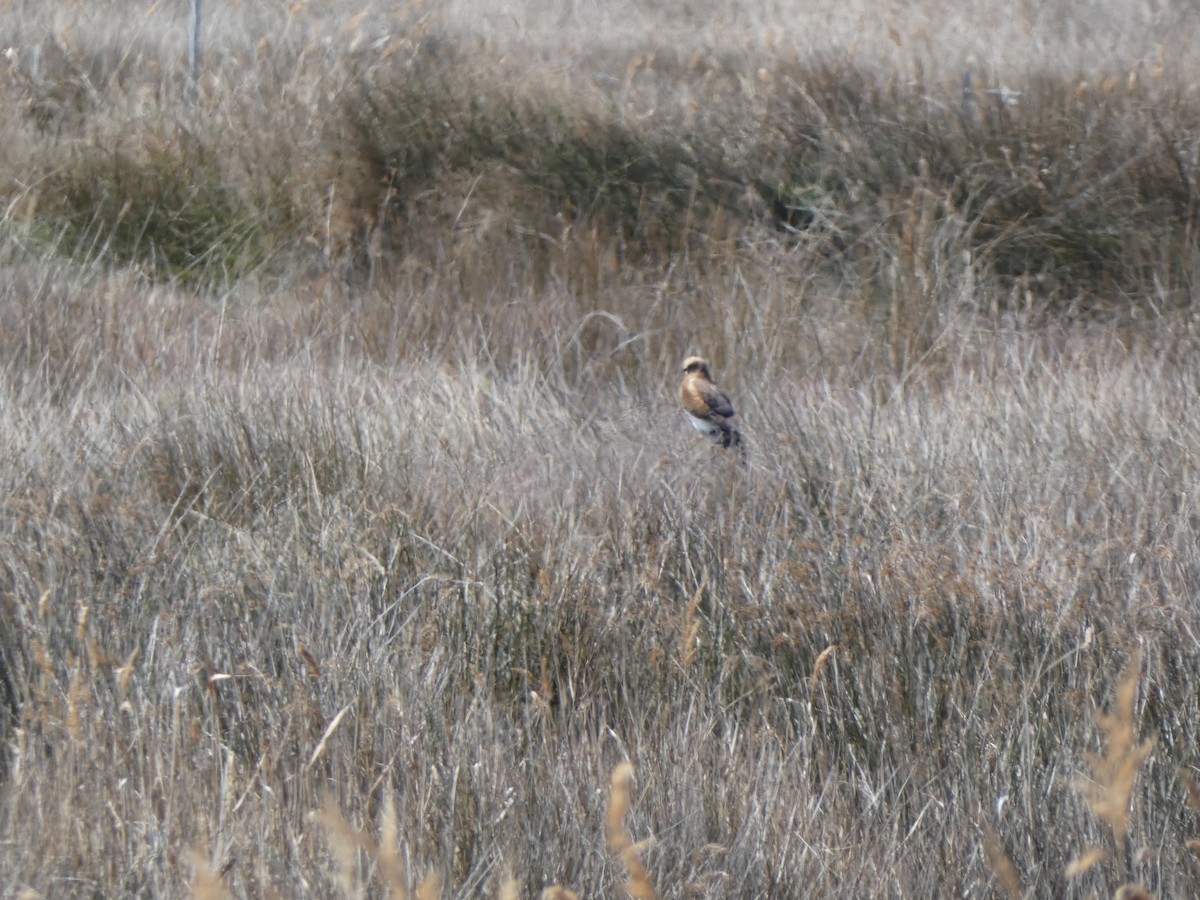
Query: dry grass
(619,801)
(350,534)
(1109,790)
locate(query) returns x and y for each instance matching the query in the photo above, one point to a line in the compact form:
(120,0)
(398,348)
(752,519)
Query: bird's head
(697,364)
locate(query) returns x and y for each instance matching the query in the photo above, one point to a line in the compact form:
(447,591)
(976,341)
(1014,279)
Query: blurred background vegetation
(351,533)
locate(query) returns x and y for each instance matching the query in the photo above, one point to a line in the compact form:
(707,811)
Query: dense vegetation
(352,539)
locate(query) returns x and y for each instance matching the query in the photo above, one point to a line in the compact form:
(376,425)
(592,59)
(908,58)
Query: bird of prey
(708,408)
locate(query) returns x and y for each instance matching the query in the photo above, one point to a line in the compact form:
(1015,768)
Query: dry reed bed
(348,146)
(350,534)
(234,588)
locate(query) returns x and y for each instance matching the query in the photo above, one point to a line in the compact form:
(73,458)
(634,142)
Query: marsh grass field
(352,539)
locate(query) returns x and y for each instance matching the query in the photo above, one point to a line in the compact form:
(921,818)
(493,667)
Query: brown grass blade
(320,748)
(822,658)
(391,867)
(1090,857)
(1109,790)
(639,885)
(687,636)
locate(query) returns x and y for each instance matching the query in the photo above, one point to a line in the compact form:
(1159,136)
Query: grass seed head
(1109,790)
(620,789)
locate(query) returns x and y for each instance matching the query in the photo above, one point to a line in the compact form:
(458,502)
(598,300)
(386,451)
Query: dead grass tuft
(340,451)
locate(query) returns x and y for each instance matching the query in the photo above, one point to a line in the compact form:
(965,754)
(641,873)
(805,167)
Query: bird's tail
(731,439)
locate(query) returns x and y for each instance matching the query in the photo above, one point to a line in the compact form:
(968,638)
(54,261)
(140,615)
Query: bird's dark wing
(717,402)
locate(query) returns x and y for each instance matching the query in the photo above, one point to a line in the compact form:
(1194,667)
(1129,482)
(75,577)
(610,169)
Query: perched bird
(708,408)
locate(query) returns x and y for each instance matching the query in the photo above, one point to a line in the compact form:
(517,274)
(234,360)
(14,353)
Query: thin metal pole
(194,50)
